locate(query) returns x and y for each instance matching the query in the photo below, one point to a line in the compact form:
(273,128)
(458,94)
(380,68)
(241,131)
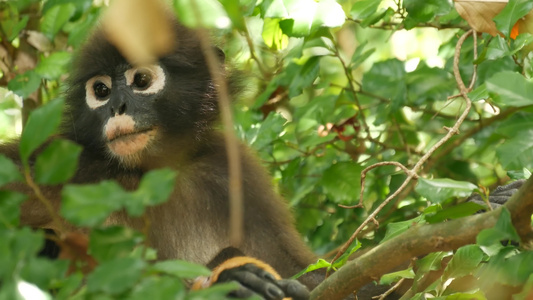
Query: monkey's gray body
(131,120)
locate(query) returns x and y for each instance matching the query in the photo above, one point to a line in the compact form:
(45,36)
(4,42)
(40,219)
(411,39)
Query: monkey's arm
(255,277)
(499,196)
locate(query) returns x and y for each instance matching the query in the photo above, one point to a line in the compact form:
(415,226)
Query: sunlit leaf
(438,190)
(211,13)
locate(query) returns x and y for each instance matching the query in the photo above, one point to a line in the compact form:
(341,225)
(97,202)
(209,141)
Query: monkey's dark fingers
(293,288)
(513,186)
(254,279)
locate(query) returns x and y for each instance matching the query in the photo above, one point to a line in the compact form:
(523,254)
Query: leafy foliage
(334,87)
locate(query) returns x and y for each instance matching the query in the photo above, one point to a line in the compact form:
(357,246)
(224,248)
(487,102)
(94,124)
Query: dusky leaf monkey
(133,119)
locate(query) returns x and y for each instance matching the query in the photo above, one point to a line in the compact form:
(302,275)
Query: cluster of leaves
(124,269)
(329,97)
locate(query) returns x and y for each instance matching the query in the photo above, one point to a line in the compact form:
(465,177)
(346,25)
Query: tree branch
(421,240)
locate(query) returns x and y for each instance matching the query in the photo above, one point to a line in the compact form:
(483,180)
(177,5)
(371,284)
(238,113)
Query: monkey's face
(125,104)
(136,115)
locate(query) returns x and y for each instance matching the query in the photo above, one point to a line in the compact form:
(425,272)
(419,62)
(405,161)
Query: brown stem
(424,239)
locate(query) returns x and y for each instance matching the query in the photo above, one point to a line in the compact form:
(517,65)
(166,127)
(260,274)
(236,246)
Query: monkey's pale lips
(123,144)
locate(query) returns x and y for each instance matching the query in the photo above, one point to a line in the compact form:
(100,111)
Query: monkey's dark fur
(193,224)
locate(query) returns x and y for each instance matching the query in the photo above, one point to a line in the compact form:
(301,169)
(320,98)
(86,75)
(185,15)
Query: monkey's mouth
(124,143)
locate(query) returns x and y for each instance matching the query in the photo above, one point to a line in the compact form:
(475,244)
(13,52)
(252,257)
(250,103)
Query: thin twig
(232,146)
(413,172)
(44,201)
(390,291)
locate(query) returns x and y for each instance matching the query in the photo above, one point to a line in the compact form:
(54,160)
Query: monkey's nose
(120,110)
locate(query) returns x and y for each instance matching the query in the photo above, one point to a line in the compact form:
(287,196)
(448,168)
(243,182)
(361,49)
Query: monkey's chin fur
(128,147)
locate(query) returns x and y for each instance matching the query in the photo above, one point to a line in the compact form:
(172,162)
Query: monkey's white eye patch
(146,80)
(97,91)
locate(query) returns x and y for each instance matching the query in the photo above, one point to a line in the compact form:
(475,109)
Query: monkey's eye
(145,80)
(142,80)
(101,91)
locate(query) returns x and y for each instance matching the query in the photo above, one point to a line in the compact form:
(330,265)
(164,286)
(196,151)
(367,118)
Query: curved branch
(421,240)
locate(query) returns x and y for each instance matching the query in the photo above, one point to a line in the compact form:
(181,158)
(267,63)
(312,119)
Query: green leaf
(116,276)
(438,190)
(519,174)
(463,262)
(211,13)
(512,12)
(25,84)
(320,264)
(497,48)
(329,14)
(454,212)
(274,9)
(490,239)
(89,205)
(341,261)
(359,56)
(18,246)
(113,242)
(431,262)
(387,79)
(420,11)
(511,88)
(180,269)
(508,267)
(217,291)
(307,72)
(273,35)
(155,188)
(233,9)
(160,288)
(41,124)
(57,163)
(43,272)
(395,276)
(397,228)
(10,208)
(517,151)
(266,132)
(9,172)
(341,181)
(55,18)
(364,8)
(54,66)
(12,26)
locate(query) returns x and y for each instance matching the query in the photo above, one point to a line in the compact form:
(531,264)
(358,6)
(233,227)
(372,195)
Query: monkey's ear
(255,277)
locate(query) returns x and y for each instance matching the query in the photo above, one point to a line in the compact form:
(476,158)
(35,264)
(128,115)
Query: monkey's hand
(254,278)
(500,195)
